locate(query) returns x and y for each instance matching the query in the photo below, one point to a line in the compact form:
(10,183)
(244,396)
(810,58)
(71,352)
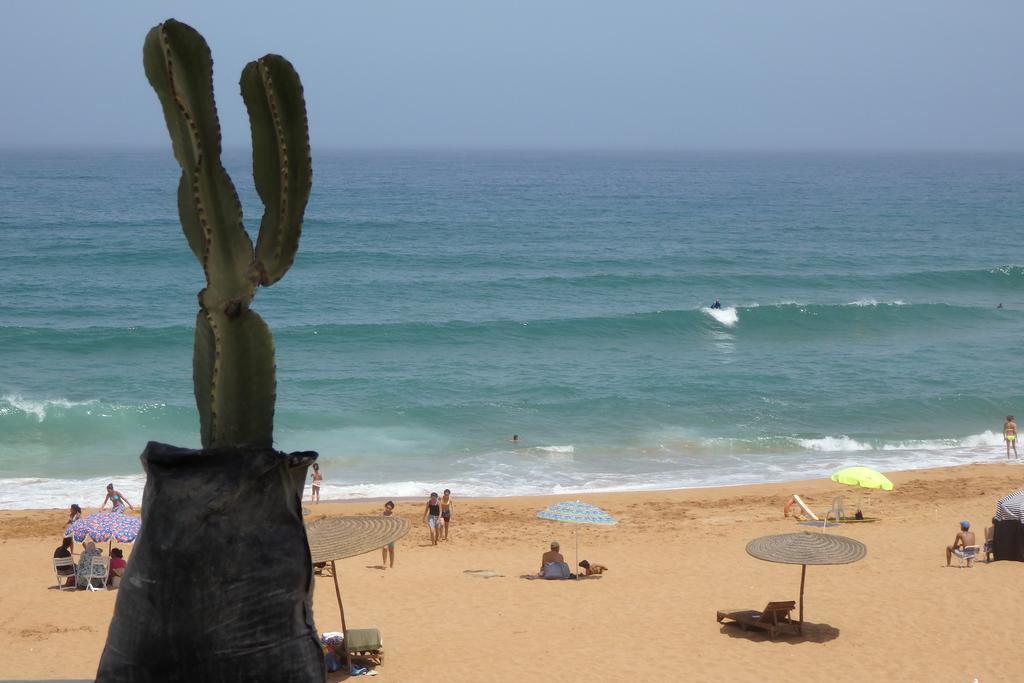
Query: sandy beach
(675,558)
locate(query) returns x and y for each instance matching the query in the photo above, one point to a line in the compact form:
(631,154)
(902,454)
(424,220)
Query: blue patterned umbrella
(107,526)
(576,512)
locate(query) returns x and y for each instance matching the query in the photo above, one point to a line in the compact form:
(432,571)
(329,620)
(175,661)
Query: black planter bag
(218,585)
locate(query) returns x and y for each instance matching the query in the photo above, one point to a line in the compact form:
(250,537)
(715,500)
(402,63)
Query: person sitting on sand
(117,565)
(964,538)
(593,569)
(1010,436)
(117,501)
(65,551)
(552,564)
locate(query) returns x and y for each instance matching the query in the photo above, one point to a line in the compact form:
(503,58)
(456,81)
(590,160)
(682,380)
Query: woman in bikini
(117,501)
(446,510)
(388,550)
(317,478)
(1010,436)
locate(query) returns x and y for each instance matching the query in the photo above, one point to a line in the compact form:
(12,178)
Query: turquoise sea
(443,301)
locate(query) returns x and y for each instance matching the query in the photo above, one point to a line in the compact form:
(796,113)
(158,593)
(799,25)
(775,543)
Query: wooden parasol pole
(341,609)
(803,573)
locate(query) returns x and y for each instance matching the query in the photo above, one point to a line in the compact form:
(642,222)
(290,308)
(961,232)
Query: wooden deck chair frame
(62,579)
(774,618)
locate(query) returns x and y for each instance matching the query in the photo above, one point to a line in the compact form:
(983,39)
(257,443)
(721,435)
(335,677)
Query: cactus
(233,359)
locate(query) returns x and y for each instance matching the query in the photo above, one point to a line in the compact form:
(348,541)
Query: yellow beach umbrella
(864,477)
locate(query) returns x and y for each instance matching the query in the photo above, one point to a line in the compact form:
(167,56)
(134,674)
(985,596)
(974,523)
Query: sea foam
(726,316)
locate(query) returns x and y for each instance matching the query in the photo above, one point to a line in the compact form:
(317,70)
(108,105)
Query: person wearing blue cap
(964,539)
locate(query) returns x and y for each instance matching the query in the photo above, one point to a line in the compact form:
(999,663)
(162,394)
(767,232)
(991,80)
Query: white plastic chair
(836,512)
(98,571)
(65,563)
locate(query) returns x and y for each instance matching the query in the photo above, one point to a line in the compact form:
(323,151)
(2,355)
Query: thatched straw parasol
(335,538)
(806,548)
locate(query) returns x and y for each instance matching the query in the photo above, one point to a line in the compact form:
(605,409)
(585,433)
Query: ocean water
(443,301)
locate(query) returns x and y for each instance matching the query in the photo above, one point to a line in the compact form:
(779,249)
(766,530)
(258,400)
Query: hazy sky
(745,74)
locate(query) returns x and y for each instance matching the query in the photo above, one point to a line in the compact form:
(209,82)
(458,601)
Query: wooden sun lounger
(774,618)
(364,643)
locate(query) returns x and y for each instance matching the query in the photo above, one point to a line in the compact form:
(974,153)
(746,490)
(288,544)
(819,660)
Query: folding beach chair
(64,567)
(98,571)
(804,507)
(774,618)
(965,556)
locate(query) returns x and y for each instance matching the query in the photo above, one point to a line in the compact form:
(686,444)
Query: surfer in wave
(717,305)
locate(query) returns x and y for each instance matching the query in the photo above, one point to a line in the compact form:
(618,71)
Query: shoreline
(132,485)
(715,492)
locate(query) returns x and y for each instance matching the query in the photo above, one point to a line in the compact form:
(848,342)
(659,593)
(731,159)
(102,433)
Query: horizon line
(578,149)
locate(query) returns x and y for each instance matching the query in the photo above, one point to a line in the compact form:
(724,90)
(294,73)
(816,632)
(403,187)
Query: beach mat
(482,573)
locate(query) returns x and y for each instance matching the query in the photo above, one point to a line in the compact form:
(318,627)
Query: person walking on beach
(1010,436)
(432,516)
(317,477)
(389,549)
(117,501)
(446,510)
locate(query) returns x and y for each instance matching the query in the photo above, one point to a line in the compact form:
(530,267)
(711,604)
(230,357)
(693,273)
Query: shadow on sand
(812,633)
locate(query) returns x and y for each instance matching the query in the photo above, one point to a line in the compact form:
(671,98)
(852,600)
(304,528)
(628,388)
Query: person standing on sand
(1010,436)
(432,517)
(317,477)
(446,510)
(117,501)
(389,549)
(74,514)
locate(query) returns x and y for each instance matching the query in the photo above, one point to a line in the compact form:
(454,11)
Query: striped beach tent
(1011,507)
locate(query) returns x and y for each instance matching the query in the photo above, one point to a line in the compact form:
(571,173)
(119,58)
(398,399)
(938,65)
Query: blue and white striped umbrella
(576,512)
(1011,507)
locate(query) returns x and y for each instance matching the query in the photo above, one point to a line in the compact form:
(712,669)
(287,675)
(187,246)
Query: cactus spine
(233,359)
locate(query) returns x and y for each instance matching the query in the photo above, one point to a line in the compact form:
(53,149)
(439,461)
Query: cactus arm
(180,69)
(233,373)
(282,168)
